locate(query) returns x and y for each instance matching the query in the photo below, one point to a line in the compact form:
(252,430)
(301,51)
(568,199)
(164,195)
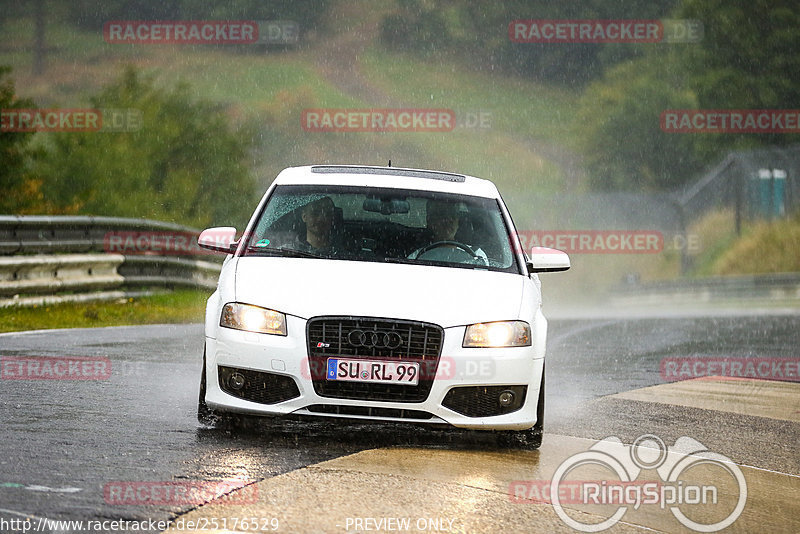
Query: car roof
(391,177)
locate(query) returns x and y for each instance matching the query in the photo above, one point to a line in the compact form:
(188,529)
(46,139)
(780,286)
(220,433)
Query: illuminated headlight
(499,334)
(253,319)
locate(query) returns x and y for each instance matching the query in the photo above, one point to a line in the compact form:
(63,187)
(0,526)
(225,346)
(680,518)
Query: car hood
(445,296)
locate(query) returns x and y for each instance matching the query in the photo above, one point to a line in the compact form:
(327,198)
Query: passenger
(321,235)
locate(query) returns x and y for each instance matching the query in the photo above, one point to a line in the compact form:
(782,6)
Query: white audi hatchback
(378,293)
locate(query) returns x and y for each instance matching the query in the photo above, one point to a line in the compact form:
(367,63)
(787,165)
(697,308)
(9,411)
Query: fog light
(236,381)
(506,398)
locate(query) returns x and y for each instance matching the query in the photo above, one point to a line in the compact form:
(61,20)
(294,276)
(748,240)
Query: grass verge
(180,306)
(766,247)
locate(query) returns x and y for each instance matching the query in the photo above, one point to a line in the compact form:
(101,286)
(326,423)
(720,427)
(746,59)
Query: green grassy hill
(525,145)
(269,88)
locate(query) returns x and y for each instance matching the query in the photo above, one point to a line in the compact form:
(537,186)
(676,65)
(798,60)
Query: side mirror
(220,239)
(547,260)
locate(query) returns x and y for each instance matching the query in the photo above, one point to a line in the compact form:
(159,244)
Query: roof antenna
(390,163)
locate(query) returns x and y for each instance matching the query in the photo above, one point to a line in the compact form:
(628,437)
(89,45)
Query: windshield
(383,225)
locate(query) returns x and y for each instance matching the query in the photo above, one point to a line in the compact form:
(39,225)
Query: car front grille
(383,339)
(482,401)
(264,388)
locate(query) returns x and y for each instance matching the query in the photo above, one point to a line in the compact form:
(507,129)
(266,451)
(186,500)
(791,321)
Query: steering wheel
(466,248)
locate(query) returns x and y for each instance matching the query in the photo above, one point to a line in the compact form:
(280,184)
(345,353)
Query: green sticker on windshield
(262,243)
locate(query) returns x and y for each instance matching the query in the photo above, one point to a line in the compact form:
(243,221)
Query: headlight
(499,334)
(253,319)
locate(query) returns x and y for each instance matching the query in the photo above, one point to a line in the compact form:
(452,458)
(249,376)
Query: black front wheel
(207,416)
(531,438)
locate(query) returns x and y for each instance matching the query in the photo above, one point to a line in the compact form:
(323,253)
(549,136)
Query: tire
(212,418)
(534,435)
(205,415)
(531,438)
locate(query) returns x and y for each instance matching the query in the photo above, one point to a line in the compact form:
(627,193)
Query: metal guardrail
(43,257)
(158,270)
(780,287)
(52,274)
(30,234)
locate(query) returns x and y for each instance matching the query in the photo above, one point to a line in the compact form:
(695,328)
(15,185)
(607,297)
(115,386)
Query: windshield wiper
(288,252)
(435,263)
(404,261)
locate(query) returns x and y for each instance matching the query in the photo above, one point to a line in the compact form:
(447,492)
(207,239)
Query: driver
(443,219)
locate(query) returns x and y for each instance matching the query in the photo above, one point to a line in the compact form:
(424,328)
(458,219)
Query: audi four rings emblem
(374,340)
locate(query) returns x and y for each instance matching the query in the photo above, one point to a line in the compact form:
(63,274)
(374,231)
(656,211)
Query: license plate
(373,371)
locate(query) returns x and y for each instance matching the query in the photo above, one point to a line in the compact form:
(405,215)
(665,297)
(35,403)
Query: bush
(185,164)
(20,191)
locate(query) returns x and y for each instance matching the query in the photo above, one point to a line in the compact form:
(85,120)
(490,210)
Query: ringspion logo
(689,476)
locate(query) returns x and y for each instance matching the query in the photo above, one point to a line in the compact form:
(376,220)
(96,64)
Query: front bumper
(486,372)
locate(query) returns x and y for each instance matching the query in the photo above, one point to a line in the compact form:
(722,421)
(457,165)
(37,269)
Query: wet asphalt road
(62,442)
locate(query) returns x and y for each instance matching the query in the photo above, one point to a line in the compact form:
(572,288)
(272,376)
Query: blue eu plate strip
(332,364)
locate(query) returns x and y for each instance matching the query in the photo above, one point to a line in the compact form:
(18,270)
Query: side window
(281,222)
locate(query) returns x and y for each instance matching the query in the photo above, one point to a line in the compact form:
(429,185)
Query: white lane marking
(93,329)
(37,487)
(52,490)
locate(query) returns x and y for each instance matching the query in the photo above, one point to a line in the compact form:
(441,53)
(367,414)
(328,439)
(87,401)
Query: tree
(478,32)
(19,190)
(622,141)
(184,164)
(39,38)
(91,14)
(747,60)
